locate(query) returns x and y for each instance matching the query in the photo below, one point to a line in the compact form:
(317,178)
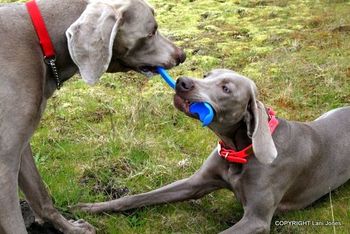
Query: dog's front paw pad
(81,227)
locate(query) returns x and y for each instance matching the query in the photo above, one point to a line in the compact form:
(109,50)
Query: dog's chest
(233,175)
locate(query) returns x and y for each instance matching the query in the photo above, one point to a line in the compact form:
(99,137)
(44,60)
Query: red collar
(44,38)
(240,156)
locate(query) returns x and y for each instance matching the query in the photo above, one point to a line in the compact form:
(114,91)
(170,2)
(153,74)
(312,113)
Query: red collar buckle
(234,156)
(241,156)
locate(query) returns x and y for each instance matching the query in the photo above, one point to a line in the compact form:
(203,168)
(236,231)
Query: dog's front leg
(181,190)
(249,225)
(259,207)
(11,221)
(201,183)
(39,200)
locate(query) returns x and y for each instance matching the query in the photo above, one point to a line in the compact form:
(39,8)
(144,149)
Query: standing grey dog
(289,170)
(89,36)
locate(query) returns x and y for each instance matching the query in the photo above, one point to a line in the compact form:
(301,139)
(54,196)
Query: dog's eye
(225,89)
(153,33)
(150,35)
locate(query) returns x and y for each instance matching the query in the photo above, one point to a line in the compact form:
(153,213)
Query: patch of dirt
(27,214)
(110,190)
(98,115)
(45,228)
(342,28)
(32,226)
(107,188)
(101,178)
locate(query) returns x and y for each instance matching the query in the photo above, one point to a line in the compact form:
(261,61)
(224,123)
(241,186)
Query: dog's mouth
(148,71)
(183,105)
(120,65)
(145,69)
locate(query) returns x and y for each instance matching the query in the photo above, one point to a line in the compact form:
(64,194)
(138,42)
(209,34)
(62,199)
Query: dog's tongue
(204,110)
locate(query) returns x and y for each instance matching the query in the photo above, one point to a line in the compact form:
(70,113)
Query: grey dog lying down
(289,170)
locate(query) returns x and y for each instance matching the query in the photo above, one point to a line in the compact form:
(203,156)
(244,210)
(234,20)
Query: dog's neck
(237,137)
(58,20)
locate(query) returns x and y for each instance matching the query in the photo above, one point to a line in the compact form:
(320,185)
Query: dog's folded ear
(90,38)
(258,129)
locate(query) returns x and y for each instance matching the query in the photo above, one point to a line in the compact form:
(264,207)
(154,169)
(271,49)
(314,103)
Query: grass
(123,135)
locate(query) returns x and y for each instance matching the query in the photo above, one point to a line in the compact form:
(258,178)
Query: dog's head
(119,35)
(234,99)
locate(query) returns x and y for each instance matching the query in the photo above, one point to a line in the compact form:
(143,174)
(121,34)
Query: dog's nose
(180,56)
(184,84)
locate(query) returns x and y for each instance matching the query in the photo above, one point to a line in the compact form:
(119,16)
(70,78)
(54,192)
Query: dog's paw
(81,227)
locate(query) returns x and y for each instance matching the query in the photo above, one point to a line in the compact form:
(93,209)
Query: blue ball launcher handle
(204,110)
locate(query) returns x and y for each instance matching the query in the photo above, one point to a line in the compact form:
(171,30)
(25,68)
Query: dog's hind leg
(11,221)
(39,200)
(201,183)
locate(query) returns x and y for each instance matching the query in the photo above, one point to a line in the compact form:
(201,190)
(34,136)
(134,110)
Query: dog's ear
(258,129)
(90,39)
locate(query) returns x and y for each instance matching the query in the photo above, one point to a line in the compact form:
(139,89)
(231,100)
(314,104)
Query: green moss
(124,132)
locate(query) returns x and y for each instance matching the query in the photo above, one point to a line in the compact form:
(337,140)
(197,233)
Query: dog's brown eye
(150,35)
(225,89)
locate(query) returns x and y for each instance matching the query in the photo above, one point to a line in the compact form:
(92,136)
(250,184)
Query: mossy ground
(123,135)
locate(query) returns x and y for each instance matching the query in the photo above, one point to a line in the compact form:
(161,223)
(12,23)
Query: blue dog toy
(203,109)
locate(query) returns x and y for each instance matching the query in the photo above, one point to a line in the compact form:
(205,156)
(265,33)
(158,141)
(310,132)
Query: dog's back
(334,129)
(329,166)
